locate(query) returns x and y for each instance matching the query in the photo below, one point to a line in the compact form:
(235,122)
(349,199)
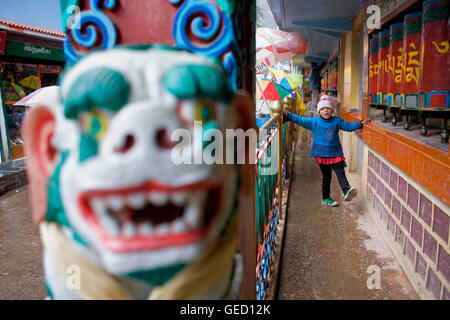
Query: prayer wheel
(395,64)
(435,77)
(412,39)
(333,75)
(383,70)
(330,76)
(373,70)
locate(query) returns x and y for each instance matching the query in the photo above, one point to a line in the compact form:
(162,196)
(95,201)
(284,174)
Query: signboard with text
(21,49)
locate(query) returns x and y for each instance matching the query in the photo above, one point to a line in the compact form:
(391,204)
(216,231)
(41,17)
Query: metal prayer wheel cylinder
(434,81)
(412,43)
(276,108)
(286,103)
(394,96)
(373,70)
(291,98)
(383,70)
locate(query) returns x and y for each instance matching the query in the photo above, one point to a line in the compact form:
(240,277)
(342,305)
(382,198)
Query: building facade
(30,58)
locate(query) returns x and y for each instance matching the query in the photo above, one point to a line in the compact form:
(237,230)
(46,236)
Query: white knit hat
(325,102)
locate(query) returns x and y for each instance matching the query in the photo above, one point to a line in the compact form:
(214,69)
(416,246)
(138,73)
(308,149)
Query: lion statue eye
(95,123)
(196,110)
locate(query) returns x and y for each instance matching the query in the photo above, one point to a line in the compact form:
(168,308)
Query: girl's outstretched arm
(306,123)
(352,126)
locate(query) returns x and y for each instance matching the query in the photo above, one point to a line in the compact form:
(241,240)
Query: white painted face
(130,202)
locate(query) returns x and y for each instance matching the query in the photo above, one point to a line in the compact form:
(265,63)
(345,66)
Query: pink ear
(38,128)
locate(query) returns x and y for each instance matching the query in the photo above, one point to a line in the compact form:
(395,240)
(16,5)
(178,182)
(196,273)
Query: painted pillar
(5,152)
(383,71)
(395,67)
(435,77)
(412,34)
(224,29)
(3,133)
(213,28)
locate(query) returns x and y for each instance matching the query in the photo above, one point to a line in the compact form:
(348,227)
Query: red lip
(157,215)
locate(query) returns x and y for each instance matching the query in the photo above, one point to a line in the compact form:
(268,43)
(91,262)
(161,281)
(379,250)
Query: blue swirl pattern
(96,19)
(213,30)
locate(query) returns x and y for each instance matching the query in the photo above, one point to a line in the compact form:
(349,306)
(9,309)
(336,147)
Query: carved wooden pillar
(222,28)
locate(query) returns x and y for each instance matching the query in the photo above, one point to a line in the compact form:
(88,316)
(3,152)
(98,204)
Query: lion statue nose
(161,139)
(142,126)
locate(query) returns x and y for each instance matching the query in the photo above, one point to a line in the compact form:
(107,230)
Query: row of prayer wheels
(330,80)
(409,63)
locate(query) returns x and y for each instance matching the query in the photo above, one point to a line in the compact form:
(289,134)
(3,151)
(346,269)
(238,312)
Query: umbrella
(291,81)
(273,46)
(31,82)
(277,73)
(42,96)
(266,57)
(282,41)
(269,90)
(12,91)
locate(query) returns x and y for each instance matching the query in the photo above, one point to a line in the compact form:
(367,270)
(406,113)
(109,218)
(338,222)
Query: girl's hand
(366,121)
(285,115)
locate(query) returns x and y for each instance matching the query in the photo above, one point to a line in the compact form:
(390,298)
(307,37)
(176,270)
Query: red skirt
(328,160)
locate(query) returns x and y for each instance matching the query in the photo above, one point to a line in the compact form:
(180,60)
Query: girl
(326,147)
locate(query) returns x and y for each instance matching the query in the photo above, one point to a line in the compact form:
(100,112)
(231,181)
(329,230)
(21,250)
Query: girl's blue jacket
(326,141)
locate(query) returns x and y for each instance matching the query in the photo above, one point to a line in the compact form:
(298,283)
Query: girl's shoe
(330,202)
(350,194)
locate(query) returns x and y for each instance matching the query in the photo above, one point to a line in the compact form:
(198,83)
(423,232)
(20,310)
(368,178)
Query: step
(12,175)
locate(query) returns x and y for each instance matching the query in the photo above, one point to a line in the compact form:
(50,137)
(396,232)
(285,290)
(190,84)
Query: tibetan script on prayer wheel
(373,69)
(383,70)
(412,34)
(434,77)
(395,64)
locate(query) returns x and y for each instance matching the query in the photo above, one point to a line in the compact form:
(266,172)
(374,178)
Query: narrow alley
(329,252)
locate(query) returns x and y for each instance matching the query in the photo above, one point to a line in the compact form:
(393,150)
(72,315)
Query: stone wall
(416,225)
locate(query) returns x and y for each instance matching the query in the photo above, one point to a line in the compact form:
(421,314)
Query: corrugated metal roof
(16,25)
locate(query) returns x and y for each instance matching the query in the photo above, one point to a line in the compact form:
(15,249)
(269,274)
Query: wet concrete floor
(21,272)
(333,252)
(327,251)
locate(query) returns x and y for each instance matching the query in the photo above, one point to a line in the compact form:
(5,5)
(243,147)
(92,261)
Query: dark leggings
(340,174)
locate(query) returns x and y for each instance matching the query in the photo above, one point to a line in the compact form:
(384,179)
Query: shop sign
(28,50)
(2,42)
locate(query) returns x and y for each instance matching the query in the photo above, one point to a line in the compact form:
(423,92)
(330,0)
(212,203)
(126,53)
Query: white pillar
(4,137)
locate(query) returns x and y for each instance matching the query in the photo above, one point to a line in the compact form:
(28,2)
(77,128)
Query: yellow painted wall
(349,76)
(349,65)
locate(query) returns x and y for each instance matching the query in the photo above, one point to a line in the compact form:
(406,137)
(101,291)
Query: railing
(271,168)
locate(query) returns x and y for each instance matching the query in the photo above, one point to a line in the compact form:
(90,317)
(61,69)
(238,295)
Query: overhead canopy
(321,21)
